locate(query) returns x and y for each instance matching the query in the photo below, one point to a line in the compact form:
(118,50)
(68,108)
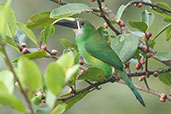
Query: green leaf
(68,44)
(165,78)
(8,79)
(29,75)
(36,100)
(167,19)
(54,78)
(3,88)
(168,33)
(44,110)
(72,73)
(140,25)
(50,98)
(11,100)
(164,57)
(10,41)
(66,61)
(120,11)
(125,46)
(113,22)
(11,23)
(69,10)
(59,109)
(27,32)
(34,55)
(40,20)
(162,30)
(47,32)
(147,17)
(2,21)
(92,74)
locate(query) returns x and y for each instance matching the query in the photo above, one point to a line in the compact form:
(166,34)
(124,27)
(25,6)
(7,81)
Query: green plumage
(97,52)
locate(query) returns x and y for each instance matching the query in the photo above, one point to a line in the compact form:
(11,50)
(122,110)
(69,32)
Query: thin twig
(89,88)
(147,90)
(137,74)
(106,19)
(147,4)
(16,78)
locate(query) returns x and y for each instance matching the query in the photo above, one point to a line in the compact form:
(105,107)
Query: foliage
(66,70)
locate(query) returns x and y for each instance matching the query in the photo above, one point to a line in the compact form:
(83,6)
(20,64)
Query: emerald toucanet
(96,51)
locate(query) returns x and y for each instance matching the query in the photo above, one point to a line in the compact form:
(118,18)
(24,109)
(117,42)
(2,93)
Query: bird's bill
(68,22)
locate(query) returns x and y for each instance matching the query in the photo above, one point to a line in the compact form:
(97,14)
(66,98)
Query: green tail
(128,82)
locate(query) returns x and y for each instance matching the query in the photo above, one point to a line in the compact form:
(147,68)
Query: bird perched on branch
(96,51)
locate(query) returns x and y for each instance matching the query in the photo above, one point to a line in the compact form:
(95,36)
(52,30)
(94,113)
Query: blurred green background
(112,98)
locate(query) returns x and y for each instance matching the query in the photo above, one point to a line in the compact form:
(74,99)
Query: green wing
(99,48)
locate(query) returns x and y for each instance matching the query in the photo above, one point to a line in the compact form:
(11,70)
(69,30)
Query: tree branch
(89,88)
(136,74)
(16,78)
(147,4)
(105,18)
(147,90)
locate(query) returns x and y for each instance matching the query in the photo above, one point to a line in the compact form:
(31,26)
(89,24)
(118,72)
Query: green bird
(96,51)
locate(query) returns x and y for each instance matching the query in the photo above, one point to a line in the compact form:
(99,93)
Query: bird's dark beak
(68,22)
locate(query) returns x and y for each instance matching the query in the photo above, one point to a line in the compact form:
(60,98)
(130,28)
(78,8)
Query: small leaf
(34,55)
(29,75)
(68,44)
(3,88)
(69,10)
(165,78)
(59,109)
(113,22)
(50,98)
(2,22)
(44,110)
(167,19)
(47,32)
(168,33)
(92,74)
(40,20)
(36,100)
(125,46)
(163,29)
(140,25)
(72,73)
(54,78)
(8,79)
(11,23)
(11,100)
(27,32)
(66,61)
(164,57)
(120,11)
(20,37)
(10,41)
(147,17)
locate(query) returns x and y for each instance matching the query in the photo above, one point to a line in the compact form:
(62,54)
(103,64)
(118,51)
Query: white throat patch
(79,30)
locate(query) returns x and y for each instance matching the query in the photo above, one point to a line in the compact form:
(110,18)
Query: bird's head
(78,25)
